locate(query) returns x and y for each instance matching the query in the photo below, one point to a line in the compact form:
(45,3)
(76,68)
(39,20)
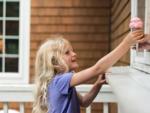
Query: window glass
(11,64)
(11,46)
(12,9)
(1,26)
(1,46)
(10,56)
(1,9)
(12,27)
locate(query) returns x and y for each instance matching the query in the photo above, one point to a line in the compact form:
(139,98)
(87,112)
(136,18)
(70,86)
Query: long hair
(49,62)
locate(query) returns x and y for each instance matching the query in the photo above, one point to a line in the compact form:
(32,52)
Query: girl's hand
(133,37)
(101,80)
(144,43)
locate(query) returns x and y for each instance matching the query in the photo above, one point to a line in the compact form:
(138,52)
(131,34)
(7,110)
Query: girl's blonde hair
(49,62)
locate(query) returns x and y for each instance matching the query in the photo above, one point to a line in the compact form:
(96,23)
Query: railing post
(5,107)
(88,109)
(21,106)
(105,108)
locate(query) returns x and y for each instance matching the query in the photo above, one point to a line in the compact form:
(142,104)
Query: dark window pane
(1,9)
(0,64)
(1,27)
(12,27)
(11,46)
(11,64)
(1,46)
(12,9)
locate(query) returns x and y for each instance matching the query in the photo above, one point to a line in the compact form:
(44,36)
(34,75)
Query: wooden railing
(25,93)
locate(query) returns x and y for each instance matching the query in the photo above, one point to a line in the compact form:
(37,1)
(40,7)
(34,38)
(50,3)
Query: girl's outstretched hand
(133,37)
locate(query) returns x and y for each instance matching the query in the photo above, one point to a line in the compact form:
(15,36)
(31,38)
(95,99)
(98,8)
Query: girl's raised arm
(107,61)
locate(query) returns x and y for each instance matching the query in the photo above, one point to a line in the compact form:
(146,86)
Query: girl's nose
(74,54)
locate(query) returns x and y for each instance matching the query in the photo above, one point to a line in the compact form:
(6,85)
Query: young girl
(56,79)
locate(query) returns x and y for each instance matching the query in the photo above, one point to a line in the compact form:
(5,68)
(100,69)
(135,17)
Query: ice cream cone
(135,24)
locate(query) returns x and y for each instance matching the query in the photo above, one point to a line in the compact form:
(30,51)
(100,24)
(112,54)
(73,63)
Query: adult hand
(144,43)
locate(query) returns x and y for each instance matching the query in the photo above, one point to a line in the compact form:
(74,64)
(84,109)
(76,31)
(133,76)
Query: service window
(141,59)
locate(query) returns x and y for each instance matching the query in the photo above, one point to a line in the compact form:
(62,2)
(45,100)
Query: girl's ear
(59,65)
(54,61)
(59,68)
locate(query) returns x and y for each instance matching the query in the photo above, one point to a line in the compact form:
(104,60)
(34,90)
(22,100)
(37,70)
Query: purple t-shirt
(61,97)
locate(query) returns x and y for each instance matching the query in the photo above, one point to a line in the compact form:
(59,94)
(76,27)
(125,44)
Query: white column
(147,29)
(134,13)
(134,8)
(147,16)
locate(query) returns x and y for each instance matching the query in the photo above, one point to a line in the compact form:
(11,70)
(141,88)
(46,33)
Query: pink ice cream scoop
(136,23)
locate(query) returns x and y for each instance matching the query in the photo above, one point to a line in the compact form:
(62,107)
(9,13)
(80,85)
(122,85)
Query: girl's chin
(75,67)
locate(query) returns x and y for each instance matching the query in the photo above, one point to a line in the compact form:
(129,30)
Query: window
(14,41)
(141,59)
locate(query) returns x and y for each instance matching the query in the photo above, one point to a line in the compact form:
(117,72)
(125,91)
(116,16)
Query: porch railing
(25,93)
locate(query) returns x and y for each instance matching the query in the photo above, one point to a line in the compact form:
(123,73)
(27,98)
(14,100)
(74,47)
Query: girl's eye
(67,52)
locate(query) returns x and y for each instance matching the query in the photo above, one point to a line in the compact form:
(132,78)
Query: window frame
(22,76)
(141,62)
